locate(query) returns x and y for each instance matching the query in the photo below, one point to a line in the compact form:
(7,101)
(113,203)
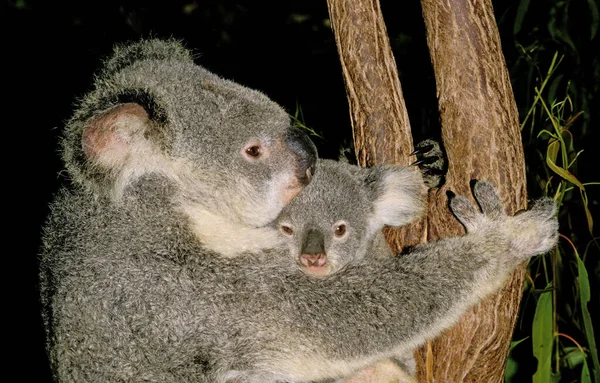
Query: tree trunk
(378,114)
(480,133)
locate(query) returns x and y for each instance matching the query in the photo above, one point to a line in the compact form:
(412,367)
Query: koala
(338,218)
(155,262)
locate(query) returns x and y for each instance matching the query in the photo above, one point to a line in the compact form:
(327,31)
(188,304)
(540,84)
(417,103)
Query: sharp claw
(422,149)
(426,160)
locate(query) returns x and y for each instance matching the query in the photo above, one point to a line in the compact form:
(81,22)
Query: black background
(285,49)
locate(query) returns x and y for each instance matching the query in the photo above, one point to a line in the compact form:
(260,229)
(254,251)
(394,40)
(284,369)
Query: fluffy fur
(131,293)
(362,201)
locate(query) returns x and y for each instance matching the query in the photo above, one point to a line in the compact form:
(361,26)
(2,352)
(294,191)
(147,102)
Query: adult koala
(174,172)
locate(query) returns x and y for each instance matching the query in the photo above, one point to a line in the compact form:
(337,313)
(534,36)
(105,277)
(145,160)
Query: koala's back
(106,276)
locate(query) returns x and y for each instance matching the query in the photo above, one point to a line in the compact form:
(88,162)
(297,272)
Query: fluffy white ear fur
(117,142)
(399,197)
(110,138)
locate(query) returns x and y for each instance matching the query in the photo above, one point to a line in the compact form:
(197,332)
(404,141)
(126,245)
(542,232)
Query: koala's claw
(425,161)
(431,162)
(422,147)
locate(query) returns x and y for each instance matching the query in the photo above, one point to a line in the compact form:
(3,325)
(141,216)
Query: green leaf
(521,12)
(573,357)
(585,373)
(510,370)
(584,297)
(551,155)
(511,365)
(515,343)
(542,338)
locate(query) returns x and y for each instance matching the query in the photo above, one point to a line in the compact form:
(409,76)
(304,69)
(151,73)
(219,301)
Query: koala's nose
(313,243)
(305,152)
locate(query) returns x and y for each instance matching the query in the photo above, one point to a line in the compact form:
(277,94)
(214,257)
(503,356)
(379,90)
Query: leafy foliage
(555,323)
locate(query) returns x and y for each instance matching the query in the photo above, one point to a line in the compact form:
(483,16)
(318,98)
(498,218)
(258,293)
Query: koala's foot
(529,232)
(431,162)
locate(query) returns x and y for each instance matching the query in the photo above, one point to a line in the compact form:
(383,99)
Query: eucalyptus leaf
(552,153)
(542,337)
(521,12)
(584,296)
(573,357)
(585,373)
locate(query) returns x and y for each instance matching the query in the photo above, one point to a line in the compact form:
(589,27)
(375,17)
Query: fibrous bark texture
(380,124)
(480,131)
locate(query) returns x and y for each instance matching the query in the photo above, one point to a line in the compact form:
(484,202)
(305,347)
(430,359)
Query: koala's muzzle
(305,152)
(313,257)
(313,242)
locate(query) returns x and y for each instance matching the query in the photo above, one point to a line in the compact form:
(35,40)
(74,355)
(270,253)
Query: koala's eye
(340,230)
(253,151)
(287,230)
(256,150)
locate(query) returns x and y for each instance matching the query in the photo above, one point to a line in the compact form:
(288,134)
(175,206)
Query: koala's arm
(135,303)
(378,247)
(377,309)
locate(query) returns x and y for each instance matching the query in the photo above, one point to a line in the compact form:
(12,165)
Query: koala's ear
(398,195)
(112,137)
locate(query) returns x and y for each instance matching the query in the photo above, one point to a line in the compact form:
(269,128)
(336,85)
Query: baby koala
(337,219)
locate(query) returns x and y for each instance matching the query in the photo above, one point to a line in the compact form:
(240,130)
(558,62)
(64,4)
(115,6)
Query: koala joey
(337,219)
(172,173)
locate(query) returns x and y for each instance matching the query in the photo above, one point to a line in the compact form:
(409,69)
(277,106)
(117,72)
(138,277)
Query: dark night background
(285,49)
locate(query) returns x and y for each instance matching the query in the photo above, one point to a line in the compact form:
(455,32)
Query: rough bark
(480,133)
(380,124)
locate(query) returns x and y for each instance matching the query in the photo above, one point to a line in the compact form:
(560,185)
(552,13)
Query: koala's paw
(528,233)
(431,162)
(535,231)
(489,202)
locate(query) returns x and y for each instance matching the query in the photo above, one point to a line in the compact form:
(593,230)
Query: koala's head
(230,150)
(334,220)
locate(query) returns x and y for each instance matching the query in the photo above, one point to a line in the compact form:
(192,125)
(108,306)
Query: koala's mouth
(315,264)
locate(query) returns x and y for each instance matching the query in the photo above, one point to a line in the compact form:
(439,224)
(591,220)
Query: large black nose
(305,152)
(313,242)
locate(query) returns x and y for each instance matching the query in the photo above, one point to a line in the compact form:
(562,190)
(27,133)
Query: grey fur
(362,200)
(343,194)
(135,287)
